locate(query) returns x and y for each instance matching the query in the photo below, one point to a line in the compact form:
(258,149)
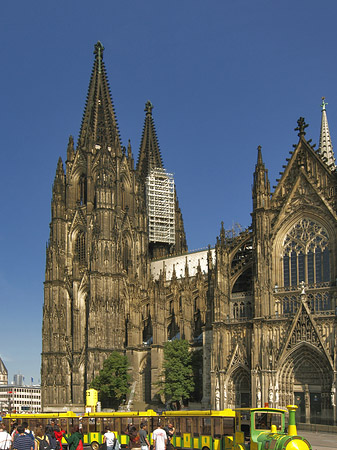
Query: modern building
(260,307)
(20,399)
(18,379)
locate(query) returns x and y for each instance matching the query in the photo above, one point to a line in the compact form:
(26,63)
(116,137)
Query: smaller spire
(259,156)
(70,149)
(325,146)
(99,55)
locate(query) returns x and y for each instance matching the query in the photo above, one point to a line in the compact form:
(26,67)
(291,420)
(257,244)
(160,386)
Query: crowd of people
(50,437)
(161,436)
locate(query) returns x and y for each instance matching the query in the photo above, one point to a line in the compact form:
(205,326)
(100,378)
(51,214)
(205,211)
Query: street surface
(320,441)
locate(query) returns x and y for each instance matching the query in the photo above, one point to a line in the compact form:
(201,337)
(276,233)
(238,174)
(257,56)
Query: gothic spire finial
(99,54)
(148,107)
(323,105)
(301,126)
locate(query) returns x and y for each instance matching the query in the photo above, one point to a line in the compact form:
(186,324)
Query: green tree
(177,383)
(113,381)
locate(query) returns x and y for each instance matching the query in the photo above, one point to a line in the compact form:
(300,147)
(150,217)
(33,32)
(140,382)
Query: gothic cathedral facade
(260,306)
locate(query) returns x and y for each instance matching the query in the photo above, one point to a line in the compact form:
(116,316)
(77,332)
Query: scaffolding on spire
(160,206)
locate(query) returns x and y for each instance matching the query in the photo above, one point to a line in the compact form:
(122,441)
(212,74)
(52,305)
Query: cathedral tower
(97,253)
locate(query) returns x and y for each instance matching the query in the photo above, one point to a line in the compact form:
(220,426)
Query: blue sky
(224,77)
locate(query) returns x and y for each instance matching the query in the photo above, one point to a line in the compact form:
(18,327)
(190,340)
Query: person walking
(22,441)
(75,439)
(144,442)
(5,438)
(159,438)
(109,438)
(169,430)
(59,435)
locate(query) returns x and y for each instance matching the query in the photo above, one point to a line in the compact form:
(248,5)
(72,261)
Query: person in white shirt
(109,438)
(159,438)
(5,438)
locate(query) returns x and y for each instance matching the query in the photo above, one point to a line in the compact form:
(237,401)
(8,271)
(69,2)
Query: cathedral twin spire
(99,124)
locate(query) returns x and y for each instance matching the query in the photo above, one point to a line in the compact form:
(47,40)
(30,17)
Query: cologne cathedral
(259,307)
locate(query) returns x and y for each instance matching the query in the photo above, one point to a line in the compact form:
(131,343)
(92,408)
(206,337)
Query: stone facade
(260,306)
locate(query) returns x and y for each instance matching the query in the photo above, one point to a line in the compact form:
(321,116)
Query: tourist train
(239,429)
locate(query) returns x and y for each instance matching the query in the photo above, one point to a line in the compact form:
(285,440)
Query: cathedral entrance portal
(305,379)
(241,385)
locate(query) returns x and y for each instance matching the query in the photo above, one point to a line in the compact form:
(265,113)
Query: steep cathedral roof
(3,370)
(325,145)
(149,153)
(99,124)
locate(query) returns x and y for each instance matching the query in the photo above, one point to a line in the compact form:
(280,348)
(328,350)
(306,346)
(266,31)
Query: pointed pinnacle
(99,54)
(148,107)
(259,156)
(301,126)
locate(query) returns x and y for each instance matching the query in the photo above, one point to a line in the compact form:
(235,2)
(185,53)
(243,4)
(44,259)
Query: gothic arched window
(80,248)
(82,190)
(306,254)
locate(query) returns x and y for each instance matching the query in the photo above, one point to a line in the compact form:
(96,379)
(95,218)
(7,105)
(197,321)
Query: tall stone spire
(325,145)
(99,124)
(149,153)
(261,186)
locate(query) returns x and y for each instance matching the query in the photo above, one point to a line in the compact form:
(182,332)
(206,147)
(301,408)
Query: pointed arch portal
(305,379)
(239,384)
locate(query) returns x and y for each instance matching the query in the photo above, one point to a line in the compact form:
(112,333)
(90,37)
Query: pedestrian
(14,430)
(22,441)
(51,437)
(109,438)
(75,439)
(169,430)
(144,442)
(28,431)
(59,435)
(41,440)
(134,441)
(5,438)
(159,438)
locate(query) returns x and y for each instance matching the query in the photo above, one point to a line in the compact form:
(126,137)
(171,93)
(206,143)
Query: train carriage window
(228,426)
(217,428)
(195,426)
(188,425)
(117,425)
(183,424)
(264,421)
(92,424)
(85,425)
(206,426)
(177,426)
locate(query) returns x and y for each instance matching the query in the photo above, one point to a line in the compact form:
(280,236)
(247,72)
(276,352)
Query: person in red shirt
(59,435)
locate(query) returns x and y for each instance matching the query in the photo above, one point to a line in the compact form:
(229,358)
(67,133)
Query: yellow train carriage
(93,425)
(65,420)
(203,430)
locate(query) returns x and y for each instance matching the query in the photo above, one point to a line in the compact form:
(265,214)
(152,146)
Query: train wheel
(94,445)
(205,448)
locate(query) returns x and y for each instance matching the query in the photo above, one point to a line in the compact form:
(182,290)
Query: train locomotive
(264,429)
